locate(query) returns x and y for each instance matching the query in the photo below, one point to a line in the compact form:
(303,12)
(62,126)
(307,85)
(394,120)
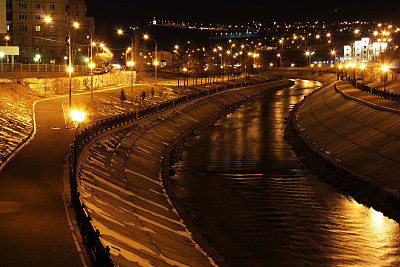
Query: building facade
(37,38)
(364,50)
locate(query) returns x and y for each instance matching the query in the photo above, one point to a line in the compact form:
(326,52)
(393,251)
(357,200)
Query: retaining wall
(357,137)
(120,184)
(61,85)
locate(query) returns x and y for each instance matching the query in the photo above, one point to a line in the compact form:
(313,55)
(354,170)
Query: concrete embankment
(121,184)
(358,137)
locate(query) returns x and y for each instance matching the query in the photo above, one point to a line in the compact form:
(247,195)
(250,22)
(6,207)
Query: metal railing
(19,67)
(374,91)
(91,235)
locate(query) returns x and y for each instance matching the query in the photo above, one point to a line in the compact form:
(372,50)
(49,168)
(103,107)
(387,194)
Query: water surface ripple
(260,207)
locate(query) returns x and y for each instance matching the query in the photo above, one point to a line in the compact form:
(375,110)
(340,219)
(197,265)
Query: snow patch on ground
(16,117)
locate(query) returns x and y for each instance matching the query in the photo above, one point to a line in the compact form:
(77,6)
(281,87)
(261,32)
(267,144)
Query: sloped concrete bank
(353,146)
(122,180)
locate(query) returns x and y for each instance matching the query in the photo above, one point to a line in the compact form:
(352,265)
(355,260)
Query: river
(257,205)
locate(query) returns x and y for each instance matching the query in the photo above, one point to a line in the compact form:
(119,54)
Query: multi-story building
(363,50)
(34,36)
(81,38)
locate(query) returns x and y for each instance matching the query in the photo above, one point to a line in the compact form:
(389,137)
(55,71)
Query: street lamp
(362,67)
(156,61)
(37,60)
(280,59)
(385,68)
(308,55)
(185,82)
(77,117)
(131,63)
(1,57)
(91,64)
(7,38)
(69,69)
(333,53)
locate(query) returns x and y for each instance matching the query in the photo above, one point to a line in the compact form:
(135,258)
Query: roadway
(33,222)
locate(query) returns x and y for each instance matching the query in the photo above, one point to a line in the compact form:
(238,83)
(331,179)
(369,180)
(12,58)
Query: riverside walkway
(354,130)
(35,228)
(120,182)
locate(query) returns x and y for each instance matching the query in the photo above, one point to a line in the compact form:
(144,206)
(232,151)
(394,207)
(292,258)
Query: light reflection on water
(262,208)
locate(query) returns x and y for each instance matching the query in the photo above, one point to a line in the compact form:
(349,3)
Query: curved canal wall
(359,138)
(121,182)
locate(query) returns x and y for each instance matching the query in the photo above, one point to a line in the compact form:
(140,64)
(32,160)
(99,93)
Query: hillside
(16,126)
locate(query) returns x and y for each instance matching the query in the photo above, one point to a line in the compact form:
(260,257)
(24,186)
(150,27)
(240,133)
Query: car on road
(98,70)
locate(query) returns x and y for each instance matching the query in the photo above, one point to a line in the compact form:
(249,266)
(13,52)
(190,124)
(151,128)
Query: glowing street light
(186,80)
(308,55)
(333,53)
(280,58)
(131,63)
(69,69)
(7,38)
(146,37)
(385,68)
(362,67)
(77,116)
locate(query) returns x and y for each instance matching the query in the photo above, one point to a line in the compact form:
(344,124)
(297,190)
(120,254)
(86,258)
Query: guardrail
(91,235)
(20,67)
(374,91)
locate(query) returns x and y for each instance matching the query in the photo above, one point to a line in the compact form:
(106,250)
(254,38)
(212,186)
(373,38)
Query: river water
(257,205)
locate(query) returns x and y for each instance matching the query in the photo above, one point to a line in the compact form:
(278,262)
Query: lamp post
(362,67)
(385,68)
(308,54)
(7,38)
(69,69)
(155,62)
(131,63)
(91,64)
(37,60)
(185,74)
(280,59)
(77,117)
(1,57)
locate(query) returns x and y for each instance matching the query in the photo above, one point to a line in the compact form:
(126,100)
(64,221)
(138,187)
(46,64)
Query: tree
(103,58)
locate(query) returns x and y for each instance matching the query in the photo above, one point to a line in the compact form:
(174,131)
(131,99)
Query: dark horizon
(123,14)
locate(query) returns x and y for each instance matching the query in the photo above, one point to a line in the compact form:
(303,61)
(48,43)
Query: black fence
(374,91)
(100,252)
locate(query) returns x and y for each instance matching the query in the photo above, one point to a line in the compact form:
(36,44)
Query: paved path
(34,230)
(360,131)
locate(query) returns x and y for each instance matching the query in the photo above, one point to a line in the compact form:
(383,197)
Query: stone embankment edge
(208,248)
(344,180)
(197,236)
(375,106)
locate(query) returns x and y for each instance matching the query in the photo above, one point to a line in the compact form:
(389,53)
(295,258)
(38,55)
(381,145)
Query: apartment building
(27,28)
(364,50)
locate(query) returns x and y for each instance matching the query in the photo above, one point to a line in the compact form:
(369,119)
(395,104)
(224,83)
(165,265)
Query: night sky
(118,13)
